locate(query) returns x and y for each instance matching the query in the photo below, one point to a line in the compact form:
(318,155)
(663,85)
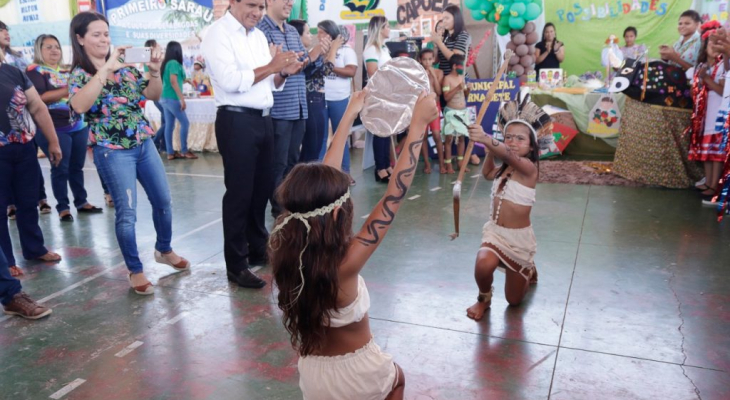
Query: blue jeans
(160,135)
(19,176)
(70,171)
(172,113)
(121,169)
(9,286)
(335,111)
(381,152)
(316,127)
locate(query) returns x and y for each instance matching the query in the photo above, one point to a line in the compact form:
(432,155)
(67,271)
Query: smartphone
(136,55)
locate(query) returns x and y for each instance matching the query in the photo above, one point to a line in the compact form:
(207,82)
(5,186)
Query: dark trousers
(288,135)
(19,176)
(246,144)
(70,171)
(9,286)
(316,127)
(381,152)
(41,181)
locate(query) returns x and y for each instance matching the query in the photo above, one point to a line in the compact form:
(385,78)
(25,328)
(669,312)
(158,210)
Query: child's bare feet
(476,312)
(442,169)
(450,169)
(427,169)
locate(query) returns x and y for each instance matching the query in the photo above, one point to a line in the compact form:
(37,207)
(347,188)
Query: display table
(201,113)
(580,102)
(652,148)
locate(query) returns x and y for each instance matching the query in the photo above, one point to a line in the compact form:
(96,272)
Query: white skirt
(515,247)
(366,374)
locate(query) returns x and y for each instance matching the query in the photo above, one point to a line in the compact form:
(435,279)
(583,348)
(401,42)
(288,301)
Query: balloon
(487,6)
(526,60)
(529,27)
(504,21)
(529,69)
(477,15)
(502,30)
(516,22)
(532,38)
(522,50)
(523,78)
(531,51)
(532,11)
(519,39)
(519,69)
(514,60)
(511,45)
(472,4)
(490,17)
(517,9)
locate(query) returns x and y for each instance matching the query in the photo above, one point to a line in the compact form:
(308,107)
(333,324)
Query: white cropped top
(355,311)
(515,192)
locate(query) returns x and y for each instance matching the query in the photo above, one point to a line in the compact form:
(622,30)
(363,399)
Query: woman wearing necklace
(508,241)
(51,82)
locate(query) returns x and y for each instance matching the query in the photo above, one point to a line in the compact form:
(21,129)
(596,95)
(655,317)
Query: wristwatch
(284,75)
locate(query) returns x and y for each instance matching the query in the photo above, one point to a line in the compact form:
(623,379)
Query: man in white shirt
(244,73)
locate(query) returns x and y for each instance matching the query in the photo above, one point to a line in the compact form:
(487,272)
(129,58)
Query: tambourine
(393,92)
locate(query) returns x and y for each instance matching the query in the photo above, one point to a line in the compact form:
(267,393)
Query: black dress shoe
(246,279)
(90,210)
(67,218)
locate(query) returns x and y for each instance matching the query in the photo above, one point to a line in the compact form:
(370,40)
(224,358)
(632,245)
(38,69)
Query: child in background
(707,87)
(720,43)
(455,114)
(435,78)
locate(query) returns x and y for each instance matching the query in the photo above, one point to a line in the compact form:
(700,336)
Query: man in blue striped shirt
(289,113)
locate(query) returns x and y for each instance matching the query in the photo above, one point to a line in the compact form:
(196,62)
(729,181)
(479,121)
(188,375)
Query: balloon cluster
(507,14)
(522,44)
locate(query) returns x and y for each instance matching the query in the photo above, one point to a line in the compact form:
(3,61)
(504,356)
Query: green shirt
(172,68)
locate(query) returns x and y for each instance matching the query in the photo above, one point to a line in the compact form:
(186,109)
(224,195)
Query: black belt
(246,110)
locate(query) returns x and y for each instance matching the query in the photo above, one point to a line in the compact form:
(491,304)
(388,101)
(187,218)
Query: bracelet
(154,76)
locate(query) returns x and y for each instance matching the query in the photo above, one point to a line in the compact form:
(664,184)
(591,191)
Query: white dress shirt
(231,54)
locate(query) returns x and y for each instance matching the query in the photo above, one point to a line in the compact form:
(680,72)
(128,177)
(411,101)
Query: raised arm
(498,149)
(82,100)
(382,216)
(153,91)
(334,154)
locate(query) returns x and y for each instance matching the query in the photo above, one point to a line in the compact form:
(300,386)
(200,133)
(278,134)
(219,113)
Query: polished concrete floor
(632,303)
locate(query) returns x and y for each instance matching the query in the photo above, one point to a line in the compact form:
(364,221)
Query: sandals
(15,271)
(190,156)
(66,217)
(175,156)
(90,209)
(45,208)
(145,290)
(50,257)
(182,265)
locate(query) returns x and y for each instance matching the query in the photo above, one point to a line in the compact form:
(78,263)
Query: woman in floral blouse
(108,91)
(51,82)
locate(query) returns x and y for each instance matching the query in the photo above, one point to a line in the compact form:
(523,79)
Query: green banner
(584,26)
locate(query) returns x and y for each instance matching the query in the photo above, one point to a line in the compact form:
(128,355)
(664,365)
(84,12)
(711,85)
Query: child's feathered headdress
(708,28)
(527,113)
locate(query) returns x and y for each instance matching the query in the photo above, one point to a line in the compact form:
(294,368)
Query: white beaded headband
(303,217)
(523,122)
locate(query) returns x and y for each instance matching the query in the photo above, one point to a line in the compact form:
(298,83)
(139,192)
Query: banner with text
(584,26)
(508,90)
(133,22)
(345,12)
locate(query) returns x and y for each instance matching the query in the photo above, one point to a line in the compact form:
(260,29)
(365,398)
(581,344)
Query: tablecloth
(201,113)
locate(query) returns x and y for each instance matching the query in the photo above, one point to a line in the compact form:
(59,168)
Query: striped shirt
(290,103)
(461,43)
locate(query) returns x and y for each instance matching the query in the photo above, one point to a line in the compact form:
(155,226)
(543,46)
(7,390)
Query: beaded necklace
(495,215)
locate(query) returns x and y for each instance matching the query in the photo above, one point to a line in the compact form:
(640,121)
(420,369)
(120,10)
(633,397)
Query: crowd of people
(277,91)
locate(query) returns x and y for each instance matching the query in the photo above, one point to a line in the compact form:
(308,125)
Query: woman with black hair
(108,91)
(173,102)
(454,40)
(550,52)
(12,57)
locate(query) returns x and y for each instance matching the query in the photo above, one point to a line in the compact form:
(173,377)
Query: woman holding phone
(108,91)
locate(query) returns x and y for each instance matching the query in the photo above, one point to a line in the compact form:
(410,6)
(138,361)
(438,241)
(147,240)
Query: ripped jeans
(121,169)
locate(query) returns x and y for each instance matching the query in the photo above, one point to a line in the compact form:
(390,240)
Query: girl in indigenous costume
(705,137)
(508,241)
(720,42)
(316,264)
